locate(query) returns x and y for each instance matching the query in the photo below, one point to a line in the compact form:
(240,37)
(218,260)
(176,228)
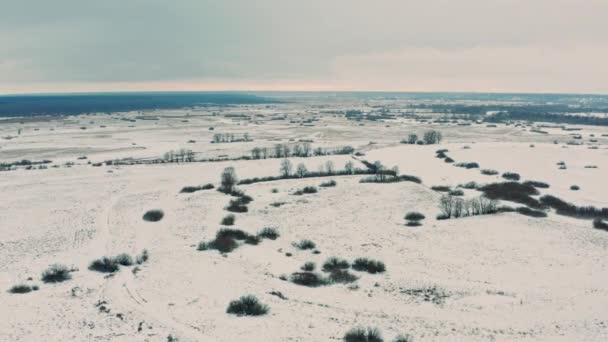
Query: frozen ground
(503,277)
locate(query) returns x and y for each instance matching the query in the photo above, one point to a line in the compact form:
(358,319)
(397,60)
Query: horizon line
(67,93)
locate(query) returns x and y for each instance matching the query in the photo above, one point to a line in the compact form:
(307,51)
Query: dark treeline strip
(568,209)
(307,175)
(72,104)
(514,192)
(523,115)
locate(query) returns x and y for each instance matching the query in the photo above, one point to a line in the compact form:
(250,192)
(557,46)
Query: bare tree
(349,167)
(457,207)
(189,156)
(432,137)
(228,180)
(301,170)
(278,151)
(445,205)
(286,167)
(412,138)
(306,149)
(256,153)
(297,150)
(329,166)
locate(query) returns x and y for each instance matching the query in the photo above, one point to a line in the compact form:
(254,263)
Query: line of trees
(179,156)
(297,150)
(454,207)
(428,138)
(229,137)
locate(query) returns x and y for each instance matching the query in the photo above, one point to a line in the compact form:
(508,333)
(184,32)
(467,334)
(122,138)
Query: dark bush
(305,244)
(335,263)
(511,176)
(469,185)
(143,257)
(252,240)
(309,279)
(568,209)
(236,206)
(56,273)
(448,160)
(441,188)
(223,244)
(414,216)
(489,172)
(104,265)
(598,223)
(512,191)
(342,277)
(456,192)
(574,187)
(369,265)
(269,233)
(308,267)
(228,220)
(540,185)
(191,189)
(531,212)
(363,335)
(22,288)
(328,184)
(306,190)
(247,306)
(236,234)
(153,215)
(124,259)
(468,165)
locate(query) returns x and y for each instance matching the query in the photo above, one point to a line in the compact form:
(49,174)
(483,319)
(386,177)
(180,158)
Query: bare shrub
(247,306)
(327,184)
(269,233)
(309,279)
(335,263)
(56,273)
(368,265)
(341,276)
(363,335)
(305,244)
(23,288)
(104,265)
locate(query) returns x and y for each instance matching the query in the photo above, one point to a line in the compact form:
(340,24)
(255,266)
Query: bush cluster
(56,273)
(191,189)
(247,306)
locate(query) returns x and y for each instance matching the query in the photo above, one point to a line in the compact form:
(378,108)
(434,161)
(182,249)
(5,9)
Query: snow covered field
(499,277)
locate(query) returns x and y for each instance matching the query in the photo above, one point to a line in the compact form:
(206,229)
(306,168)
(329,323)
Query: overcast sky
(408,45)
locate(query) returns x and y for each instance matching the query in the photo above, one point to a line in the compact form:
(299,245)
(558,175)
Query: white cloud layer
(474,45)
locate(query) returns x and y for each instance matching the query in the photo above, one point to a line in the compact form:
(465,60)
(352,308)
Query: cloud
(507,69)
(65,44)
